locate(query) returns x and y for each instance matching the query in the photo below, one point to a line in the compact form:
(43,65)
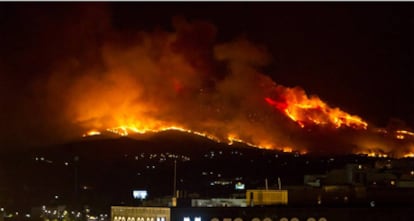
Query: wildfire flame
(401,134)
(409,155)
(374,154)
(185,81)
(91,133)
(304,111)
(126,130)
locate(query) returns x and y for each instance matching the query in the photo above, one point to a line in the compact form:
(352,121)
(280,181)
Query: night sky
(356,56)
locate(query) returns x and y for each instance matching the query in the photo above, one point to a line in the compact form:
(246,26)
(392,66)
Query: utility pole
(174,195)
(76,188)
(175,179)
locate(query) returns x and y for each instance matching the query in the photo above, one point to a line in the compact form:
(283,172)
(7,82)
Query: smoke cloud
(179,79)
(89,75)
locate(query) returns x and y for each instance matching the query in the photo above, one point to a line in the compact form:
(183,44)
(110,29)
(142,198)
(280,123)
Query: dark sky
(356,56)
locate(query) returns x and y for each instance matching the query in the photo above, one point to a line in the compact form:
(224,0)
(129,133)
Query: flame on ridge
(231,138)
(378,154)
(296,105)
(91,133)
(126,130)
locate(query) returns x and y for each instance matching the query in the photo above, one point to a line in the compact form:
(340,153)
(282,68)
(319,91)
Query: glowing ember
(91,133)
(405,132)
(397,134)
(381,130)
(409,155)
(375,154)
(401,134)
(287,149)
(234,138)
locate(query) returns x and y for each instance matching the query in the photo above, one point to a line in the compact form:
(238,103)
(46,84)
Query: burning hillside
(184,80)
(304,111)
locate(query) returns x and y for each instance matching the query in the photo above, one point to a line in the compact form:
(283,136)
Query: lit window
(187,218)
(197,218)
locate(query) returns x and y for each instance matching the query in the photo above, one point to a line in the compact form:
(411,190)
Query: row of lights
(122,218)
(10,215)
(62,214)
(162,157)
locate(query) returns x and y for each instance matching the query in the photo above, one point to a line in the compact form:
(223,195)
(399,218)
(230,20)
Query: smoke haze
(79,73)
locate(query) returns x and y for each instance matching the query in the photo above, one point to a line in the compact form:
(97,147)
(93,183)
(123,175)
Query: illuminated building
(257,214)
(119,213)
(267,197)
